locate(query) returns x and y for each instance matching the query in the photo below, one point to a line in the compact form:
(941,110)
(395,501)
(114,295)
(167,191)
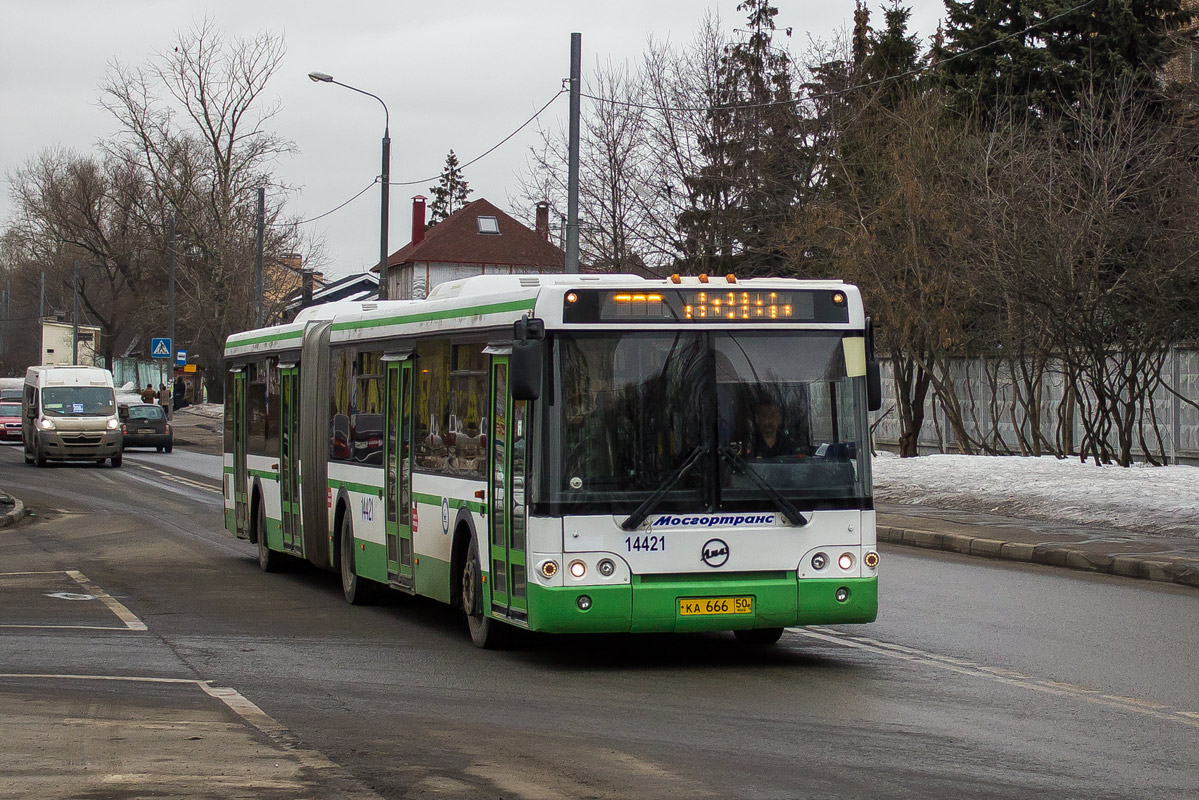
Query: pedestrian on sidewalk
(164,399)
(148,394)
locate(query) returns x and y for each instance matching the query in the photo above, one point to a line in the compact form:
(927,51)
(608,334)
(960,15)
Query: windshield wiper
(646,508)
(784,505)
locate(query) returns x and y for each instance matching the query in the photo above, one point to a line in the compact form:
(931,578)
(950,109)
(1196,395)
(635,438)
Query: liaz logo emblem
(715,552)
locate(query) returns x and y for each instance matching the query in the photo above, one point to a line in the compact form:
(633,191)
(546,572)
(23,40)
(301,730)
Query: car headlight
(47,424)
(113,424)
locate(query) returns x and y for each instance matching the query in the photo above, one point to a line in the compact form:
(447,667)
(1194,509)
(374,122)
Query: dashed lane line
(179,479)
(250,713)
(130,620)
(1000,675)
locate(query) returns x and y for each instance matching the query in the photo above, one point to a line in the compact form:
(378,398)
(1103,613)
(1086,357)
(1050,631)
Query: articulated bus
(570,453)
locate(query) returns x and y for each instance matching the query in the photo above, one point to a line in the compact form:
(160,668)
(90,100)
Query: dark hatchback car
(145,425)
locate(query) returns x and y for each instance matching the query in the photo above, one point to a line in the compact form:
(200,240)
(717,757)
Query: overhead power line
(474,160)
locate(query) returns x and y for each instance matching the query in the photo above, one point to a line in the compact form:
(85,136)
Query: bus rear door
(289,482)
(240,474)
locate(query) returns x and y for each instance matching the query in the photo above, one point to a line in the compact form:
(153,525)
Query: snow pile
(1138,498)
(206,410)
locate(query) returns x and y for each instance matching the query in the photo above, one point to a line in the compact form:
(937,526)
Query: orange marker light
(676,278)
(703,277)
(571,297)
(731,278)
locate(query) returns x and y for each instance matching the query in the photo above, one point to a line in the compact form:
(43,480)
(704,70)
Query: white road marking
(124,614)
(965,667)
(250,713)
(131,622)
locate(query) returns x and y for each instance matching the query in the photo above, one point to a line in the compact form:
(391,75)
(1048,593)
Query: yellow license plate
(704,606)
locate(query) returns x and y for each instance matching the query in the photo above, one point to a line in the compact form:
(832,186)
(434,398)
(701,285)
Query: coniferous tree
(451,193)
(750,182)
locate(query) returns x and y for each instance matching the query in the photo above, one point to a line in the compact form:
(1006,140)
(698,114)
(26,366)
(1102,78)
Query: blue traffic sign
(180,358)
(160,348)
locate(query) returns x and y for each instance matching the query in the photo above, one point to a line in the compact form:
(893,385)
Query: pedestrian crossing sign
(160,348)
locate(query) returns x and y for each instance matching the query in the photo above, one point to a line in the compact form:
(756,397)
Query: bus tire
(353,586)
(759,637)
(268,559)
(485,632)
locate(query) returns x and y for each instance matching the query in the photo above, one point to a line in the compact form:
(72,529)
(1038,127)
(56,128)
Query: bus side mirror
(524,370)
(874,385)
(874,375)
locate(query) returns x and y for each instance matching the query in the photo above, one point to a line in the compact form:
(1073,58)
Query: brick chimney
(543,220)
(418,219)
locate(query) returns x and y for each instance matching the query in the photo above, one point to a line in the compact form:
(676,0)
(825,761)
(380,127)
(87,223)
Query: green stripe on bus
(365,488)
(270,337)
(455,503)
(264,473)
(427,316)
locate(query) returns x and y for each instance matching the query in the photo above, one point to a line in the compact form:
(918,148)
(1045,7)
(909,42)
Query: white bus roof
(484,301)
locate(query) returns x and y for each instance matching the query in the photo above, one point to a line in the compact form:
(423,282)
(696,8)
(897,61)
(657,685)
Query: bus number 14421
(644,544)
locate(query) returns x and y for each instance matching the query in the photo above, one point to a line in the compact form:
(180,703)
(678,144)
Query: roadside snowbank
(1138,498)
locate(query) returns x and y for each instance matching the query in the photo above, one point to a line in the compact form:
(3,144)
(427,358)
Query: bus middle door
(398,480)
(506,493)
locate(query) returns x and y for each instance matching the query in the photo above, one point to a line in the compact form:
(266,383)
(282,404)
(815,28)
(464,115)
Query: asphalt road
(980,679)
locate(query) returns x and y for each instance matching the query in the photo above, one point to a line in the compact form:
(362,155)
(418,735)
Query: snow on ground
(1138,498)
(208,410)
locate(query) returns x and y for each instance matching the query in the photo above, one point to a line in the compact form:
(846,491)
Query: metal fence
(987,409)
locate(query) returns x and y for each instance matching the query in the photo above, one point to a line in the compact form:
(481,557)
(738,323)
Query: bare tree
(194,120)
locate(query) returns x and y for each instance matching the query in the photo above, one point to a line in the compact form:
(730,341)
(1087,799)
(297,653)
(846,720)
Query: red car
(10,421)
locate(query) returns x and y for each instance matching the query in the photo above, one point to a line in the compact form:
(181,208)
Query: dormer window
(488,225)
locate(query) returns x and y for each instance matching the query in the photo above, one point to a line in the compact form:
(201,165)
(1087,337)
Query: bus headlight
(606,567)
(548,569)
(845,562)
(47,424)
(578,569)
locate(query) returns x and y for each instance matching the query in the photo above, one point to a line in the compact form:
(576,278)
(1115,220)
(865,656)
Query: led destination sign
(705,305)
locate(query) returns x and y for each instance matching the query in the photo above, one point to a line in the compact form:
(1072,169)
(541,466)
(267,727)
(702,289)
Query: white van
(70,413)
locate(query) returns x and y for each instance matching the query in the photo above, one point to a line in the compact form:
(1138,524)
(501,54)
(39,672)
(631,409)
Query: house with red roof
(477,239)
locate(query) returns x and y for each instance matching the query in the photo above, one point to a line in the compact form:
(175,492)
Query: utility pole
(41,309)
(75,320)
(171,292)
(572,166)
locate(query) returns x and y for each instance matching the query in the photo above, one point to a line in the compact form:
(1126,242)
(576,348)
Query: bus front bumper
(654,606)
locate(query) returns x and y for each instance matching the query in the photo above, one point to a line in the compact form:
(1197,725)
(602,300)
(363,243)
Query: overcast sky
(460,74)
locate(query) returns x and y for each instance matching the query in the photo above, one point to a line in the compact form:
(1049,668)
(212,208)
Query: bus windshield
(718,413)
(78,401)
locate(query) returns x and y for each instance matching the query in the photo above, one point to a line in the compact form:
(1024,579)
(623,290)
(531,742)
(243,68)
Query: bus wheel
(485,632)
(354,587)
(759,637)
(268,559)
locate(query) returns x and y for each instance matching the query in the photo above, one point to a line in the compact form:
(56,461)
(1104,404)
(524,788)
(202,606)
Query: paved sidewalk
(1170,559)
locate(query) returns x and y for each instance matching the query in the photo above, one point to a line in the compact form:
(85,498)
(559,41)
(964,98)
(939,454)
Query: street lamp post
(320,77)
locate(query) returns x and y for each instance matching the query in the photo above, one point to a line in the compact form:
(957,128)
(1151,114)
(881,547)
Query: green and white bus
(570,453)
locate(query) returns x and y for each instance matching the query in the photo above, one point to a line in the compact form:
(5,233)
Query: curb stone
(1179,570)
(13,515)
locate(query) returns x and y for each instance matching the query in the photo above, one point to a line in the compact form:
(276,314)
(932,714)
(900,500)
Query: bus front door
(289,478)
(240,475)
(398,458)
(506,490)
